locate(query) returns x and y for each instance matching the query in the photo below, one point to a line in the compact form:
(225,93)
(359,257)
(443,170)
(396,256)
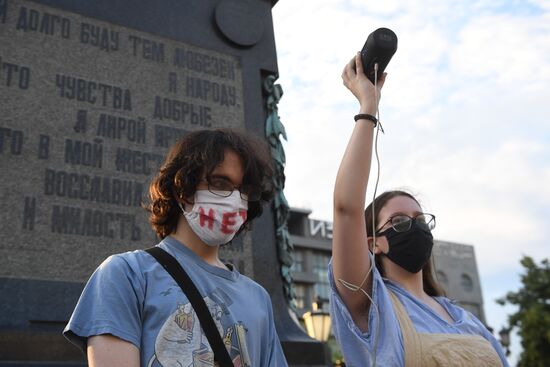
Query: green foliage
(336,354)
(532,318)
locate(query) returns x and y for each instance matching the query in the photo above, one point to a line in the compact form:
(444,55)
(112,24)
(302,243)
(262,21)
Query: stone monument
(92,95)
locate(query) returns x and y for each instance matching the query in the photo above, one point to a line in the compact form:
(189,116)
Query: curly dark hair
(196,155)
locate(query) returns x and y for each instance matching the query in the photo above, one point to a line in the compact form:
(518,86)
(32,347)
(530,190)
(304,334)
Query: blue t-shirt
(132,297)
(358,347)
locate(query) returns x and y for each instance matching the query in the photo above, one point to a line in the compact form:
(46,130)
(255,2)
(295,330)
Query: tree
(533,315)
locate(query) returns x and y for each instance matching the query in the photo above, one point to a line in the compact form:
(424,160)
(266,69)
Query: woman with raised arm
(391,311)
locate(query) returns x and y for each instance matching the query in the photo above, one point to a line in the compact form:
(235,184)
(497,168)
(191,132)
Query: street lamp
(317,321)
(504,334)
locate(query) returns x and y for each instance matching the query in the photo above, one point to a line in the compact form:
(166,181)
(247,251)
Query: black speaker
(379,48)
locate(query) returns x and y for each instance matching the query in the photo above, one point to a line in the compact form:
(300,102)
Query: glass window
(323,290)
(442,277)
(322,286)
(300,291)
(466,282)
(298,264)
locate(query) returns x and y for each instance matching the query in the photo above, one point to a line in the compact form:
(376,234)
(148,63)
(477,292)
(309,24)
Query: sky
(465,110)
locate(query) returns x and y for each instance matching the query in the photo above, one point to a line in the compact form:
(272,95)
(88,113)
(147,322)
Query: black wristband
(366,116)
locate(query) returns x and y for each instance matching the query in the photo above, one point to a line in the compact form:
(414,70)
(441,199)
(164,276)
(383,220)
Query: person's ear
(182,203)
(180,199)
(373,246)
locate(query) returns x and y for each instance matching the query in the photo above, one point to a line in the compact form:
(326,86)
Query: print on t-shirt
(182,343)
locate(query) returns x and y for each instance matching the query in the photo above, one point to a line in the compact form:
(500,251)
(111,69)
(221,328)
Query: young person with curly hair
(212,185)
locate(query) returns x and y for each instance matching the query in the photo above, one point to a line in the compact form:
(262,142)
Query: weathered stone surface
(89,110)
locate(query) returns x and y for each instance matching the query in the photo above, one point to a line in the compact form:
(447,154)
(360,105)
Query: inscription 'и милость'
(89,109)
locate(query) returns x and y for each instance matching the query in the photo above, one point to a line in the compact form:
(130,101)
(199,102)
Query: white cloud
(505,49)
(544,4)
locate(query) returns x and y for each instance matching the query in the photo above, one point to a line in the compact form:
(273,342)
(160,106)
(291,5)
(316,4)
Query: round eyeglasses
(402,223)
(223,187)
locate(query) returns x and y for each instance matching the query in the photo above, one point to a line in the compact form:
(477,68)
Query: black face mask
(412,249)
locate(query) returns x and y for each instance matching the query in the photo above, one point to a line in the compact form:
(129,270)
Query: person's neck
(185,235)
(412,282)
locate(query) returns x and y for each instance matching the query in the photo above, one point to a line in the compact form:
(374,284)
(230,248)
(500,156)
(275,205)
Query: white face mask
(216,219)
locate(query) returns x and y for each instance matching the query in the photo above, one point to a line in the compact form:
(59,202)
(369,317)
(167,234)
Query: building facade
(457,273)
(455,264)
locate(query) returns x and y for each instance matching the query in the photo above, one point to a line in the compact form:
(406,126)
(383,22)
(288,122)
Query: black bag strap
(171,265)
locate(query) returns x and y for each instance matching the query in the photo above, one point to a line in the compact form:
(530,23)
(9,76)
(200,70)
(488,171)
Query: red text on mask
(206,218)
(228,220)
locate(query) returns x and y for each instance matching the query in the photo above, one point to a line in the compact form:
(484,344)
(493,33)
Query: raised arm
(350,257)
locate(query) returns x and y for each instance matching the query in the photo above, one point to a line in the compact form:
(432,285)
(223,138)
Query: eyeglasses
(402,223)
(223,187)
